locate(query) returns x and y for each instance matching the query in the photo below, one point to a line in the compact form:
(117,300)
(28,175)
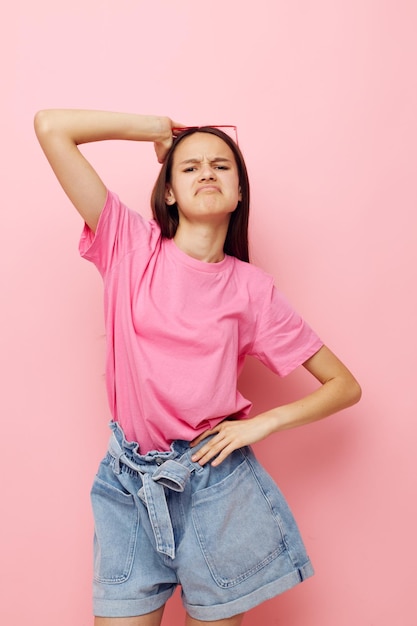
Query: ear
(240,194)
(169,195)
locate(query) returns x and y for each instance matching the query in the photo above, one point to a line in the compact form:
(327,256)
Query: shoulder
(118,221)
(262,290)
(253,276)
(120,230)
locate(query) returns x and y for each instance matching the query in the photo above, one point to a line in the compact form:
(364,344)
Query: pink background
(324,94)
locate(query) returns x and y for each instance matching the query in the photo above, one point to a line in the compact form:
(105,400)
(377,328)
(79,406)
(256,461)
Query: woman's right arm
(61,131)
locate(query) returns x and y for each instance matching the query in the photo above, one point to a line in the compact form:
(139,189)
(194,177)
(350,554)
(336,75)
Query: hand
(163,145)
(230,435)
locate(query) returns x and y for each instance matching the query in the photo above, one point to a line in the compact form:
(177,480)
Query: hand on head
(169,131)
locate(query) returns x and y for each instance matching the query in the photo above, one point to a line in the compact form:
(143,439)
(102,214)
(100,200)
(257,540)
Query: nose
(207,172)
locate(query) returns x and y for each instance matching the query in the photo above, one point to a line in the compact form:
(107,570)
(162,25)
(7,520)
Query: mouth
(207,188)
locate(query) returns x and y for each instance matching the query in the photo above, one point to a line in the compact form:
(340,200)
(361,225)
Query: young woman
(179,497)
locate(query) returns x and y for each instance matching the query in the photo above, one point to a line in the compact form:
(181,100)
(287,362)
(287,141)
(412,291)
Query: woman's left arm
(339,390)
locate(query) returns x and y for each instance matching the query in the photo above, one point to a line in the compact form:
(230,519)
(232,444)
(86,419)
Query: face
(204,179)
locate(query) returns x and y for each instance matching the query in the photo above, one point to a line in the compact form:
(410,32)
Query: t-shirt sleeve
(119,231)
(283,340)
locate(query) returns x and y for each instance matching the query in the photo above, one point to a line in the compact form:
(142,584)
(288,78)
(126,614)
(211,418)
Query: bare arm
(61,131)
(338,390)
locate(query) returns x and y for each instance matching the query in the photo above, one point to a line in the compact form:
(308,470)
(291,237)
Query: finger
(161,152)
(203,455)
(178,128)
(197,440)
(204,435)
(217,456)
(210,450)
(177,131)
(206,458)
(223,455)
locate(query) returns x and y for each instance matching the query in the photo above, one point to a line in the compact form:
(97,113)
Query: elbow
(358,393)
(50,130)
(353,392)
(48,123)
(42,123)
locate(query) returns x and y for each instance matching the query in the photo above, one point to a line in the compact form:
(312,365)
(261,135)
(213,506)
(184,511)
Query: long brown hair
(236,243)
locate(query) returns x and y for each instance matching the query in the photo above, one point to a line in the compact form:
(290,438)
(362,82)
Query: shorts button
(159,461)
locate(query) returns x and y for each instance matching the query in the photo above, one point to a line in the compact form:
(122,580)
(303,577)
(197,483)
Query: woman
(179,497)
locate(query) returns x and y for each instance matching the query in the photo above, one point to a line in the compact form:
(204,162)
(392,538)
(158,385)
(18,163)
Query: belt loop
(116,452)
(116,467)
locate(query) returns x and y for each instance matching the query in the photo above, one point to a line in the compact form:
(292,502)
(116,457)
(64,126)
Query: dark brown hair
(236,243)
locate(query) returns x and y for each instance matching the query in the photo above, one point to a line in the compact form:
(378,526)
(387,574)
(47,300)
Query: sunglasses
(231,131)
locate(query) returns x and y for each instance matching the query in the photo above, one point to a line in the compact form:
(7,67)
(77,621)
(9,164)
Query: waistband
(158,470)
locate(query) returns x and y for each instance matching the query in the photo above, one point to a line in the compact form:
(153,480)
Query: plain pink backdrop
(324,94)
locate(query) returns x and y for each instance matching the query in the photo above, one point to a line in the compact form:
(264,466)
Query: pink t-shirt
(178,330)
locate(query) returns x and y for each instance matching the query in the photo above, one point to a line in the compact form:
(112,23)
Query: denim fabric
(225,533)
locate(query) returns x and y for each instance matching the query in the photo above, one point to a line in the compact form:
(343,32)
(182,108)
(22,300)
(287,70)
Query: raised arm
(61,131)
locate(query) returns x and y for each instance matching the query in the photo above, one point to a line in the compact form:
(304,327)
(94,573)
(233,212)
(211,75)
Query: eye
(222,167)
(192,168)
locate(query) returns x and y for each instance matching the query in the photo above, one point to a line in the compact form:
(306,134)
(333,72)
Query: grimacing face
(204,178)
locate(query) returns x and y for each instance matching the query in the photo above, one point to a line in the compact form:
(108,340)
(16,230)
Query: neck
(201,241)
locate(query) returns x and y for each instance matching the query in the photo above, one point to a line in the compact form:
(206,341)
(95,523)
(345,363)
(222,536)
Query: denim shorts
(225,533)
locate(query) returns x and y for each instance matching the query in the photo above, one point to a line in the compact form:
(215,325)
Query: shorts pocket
(115,531)
(236,528)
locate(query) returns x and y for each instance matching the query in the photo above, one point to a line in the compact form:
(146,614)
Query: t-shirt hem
(301,359)
(89,237)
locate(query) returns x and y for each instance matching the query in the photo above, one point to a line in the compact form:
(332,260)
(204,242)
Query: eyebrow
(215,160)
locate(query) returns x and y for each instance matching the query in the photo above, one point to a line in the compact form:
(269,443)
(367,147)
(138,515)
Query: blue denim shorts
(225,533)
